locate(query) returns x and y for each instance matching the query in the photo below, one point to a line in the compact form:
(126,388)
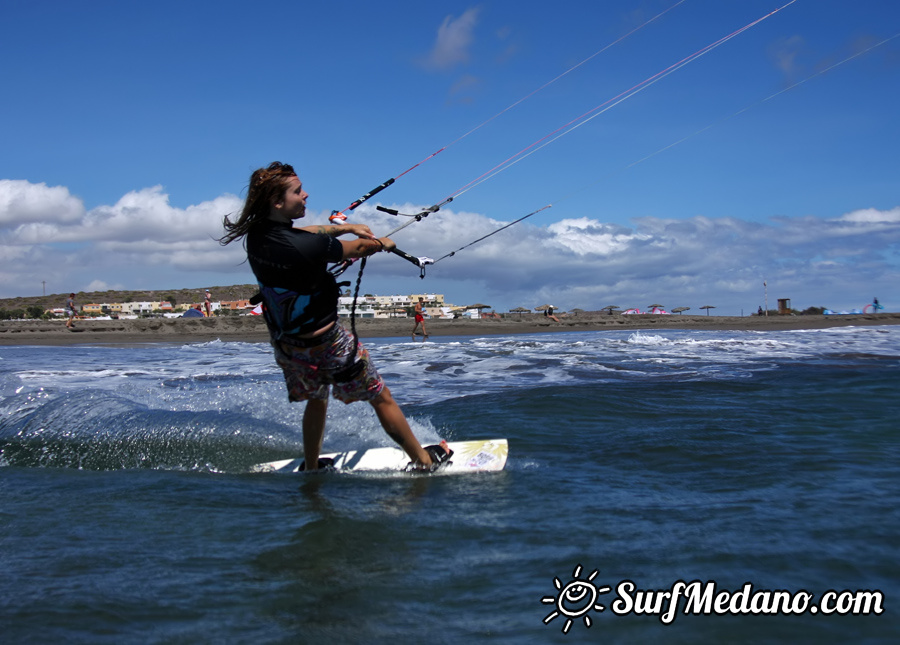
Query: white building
(364,308)
(395,306)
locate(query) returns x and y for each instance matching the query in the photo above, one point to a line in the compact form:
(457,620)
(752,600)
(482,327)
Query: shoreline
(252,329)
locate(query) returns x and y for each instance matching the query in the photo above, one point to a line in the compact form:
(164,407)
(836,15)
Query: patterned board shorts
(309,371)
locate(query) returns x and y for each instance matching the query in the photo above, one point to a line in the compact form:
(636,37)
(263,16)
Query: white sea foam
(243,376)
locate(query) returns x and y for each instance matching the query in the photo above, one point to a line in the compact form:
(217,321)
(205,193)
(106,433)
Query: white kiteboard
(482,455)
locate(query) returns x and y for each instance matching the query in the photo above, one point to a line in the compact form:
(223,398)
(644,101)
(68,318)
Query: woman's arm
(363,248)
(336,230)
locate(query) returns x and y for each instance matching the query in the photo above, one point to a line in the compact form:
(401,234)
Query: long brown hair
(266,184)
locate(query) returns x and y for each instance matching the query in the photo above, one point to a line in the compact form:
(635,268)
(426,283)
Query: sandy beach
(253,329)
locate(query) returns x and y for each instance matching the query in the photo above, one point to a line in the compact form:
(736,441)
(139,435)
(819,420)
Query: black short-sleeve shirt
(285,259)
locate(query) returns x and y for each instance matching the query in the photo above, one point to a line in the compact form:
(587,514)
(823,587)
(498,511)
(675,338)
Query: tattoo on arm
(324,229)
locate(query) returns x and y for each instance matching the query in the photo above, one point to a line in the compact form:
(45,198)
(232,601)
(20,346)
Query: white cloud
(785,54)
(142,241)
(22,201)
(454,38)
(872,216)
(147,215)
(140,215)
(723,261)
(100,285)
(584,236)
(47,235)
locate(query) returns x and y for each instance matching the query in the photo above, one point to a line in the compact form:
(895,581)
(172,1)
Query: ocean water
(750,462)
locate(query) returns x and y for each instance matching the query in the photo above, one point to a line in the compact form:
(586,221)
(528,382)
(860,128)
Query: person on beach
(207,304)
(300,303)
(70,311)
(420,319)
(549,313)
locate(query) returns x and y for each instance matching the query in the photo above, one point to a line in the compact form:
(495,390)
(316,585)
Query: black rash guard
(290,265)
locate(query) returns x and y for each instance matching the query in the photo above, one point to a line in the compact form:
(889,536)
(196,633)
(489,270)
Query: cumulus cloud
(585,236)
(147,215)
(140,215)
(100,285)
(583,262)
(454,38)
(22,201)
(872,216)
(142,241)
(46,234)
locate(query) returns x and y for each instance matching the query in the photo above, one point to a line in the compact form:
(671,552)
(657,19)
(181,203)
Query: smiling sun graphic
(575,598)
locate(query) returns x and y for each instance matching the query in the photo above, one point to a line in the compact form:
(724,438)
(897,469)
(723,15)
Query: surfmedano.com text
(699,598)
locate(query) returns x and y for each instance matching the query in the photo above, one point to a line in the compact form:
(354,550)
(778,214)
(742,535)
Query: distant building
(430,299)
(395,306)
(95,309)
(232,305)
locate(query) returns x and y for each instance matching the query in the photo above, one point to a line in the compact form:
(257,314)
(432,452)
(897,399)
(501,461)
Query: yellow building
(430,299)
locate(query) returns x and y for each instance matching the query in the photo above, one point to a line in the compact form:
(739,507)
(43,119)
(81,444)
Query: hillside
(180,296)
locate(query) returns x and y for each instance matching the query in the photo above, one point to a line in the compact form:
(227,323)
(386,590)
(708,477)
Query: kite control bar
(419,262)
(422,262)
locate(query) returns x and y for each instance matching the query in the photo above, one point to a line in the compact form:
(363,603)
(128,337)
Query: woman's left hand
(360,230)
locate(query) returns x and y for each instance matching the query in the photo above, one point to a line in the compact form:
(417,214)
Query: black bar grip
(405,256)
(369,194)
(389,211)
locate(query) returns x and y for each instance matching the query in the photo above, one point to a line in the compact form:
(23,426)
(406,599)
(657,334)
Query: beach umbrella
(519,310)
(545,307)
(707,307)
(678,310)
(478,306)
(654,306)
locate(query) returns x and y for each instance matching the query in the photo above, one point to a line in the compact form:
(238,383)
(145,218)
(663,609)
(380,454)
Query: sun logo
(575,599)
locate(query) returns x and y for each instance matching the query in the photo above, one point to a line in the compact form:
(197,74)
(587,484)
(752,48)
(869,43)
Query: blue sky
(130,129)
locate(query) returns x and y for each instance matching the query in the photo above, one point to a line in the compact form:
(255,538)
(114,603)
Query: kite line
(339,216)
(686,138)
(547,139)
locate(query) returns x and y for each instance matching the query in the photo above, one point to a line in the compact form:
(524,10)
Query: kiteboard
(482,455)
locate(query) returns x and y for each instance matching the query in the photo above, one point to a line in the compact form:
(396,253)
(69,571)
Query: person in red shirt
(420,318)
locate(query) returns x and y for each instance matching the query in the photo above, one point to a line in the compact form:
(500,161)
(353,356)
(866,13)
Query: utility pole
(44,285)
(766,285)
